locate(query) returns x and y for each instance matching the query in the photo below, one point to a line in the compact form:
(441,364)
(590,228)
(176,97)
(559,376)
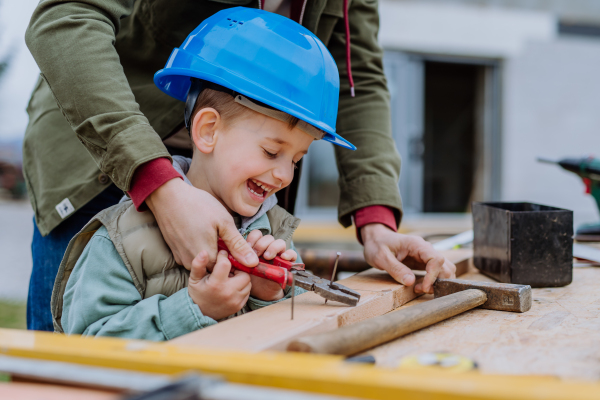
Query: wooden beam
(271,328)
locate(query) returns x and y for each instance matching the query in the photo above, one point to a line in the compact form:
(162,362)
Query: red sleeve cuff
(148,177)
(374,215)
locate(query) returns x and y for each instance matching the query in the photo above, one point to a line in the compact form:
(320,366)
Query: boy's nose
(284,174)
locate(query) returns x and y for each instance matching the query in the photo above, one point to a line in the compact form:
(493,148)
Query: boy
(118,276)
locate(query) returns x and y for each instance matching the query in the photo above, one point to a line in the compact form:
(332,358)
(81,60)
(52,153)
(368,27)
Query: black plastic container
(523,243)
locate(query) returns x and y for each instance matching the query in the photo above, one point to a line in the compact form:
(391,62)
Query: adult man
(97,59)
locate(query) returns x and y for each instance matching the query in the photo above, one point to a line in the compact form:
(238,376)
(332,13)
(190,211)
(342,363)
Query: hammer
(452,297)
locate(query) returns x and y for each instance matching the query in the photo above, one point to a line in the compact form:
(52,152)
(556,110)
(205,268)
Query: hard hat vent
(233,22)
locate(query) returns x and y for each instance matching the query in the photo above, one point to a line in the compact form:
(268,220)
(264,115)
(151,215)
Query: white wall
(551,109)
(455,29)
(551,88)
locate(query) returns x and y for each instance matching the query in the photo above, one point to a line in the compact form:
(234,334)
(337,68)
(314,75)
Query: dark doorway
(451,96)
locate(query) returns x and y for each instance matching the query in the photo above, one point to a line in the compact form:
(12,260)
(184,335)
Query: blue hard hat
(264,56)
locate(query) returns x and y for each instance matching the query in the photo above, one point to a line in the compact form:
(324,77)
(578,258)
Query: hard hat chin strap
(196,88)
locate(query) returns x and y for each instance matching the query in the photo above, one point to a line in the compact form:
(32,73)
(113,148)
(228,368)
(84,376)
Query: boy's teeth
(261,185)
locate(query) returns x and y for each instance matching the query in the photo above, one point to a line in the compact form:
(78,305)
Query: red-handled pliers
(276,270)
(286,273)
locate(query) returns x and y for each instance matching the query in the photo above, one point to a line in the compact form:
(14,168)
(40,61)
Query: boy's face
(248,159)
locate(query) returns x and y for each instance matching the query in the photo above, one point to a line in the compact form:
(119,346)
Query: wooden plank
(557,337)
(36,391)
(272,329)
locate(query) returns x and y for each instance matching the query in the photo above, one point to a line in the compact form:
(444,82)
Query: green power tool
(588,169)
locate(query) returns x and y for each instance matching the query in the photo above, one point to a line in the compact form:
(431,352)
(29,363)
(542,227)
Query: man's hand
(397,254)
(268,248)
(220,293)
(191,220)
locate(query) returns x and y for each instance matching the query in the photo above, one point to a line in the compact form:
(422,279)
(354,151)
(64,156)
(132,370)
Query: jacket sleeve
(101,300)
(73,45)
(368,176)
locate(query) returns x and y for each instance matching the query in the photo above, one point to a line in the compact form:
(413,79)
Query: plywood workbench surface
(559,336)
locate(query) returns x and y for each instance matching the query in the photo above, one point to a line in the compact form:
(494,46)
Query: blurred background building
(480,88)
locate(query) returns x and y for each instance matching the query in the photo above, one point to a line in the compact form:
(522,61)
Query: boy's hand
(397,253)
(268,248)
(220,293)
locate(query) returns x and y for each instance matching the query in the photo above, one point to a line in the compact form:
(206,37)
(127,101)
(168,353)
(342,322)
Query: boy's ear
(204,129)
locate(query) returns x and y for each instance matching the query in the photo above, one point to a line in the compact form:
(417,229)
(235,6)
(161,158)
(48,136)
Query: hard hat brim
(175,81)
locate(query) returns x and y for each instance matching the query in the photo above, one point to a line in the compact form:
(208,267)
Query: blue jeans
(48,251)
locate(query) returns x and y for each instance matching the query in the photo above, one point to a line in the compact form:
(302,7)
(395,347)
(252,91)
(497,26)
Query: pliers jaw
(325,288)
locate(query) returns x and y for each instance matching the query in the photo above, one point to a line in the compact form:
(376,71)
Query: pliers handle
(277,270)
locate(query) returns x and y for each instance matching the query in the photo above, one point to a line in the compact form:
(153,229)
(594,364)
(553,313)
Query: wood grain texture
(270,328)
(557,337)
(363,335)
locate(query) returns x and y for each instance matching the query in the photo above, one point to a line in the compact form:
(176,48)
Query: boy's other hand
(268,248)
(222,292)
(397,254)
(191,220)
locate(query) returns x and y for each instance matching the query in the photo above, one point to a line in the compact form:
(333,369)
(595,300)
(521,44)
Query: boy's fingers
(240,280)
(222,267)
(274,248)
(262,244)
(239,248)
(289,255)
(253,237)
(199,264)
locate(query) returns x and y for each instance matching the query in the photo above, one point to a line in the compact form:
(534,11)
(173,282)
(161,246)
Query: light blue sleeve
(101,300)
(256,304)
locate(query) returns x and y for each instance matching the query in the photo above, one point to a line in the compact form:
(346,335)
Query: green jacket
(97,59)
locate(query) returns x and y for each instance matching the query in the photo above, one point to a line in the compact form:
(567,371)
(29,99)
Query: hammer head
(500,296)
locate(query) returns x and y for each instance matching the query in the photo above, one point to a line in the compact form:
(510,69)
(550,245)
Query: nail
(405,277)
(267,254)
(250,258)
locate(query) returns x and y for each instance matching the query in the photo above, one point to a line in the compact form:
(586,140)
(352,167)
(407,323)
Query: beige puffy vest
(146,255)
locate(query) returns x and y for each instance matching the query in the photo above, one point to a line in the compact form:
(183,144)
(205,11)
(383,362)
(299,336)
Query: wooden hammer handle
(363,335)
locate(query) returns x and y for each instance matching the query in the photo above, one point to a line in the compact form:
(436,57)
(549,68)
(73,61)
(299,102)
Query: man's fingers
(386,261)
(221,269)
(448,270)
(434,268)
(239,248)
(199,264)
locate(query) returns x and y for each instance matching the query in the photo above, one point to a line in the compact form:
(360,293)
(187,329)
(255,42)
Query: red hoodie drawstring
(348,65)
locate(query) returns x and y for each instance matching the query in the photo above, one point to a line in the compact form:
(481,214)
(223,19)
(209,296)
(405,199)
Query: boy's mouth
(258,188)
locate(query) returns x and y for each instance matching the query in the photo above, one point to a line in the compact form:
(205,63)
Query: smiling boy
(118,276)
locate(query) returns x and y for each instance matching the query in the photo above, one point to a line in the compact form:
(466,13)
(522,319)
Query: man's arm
(73,44)
(368,176)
